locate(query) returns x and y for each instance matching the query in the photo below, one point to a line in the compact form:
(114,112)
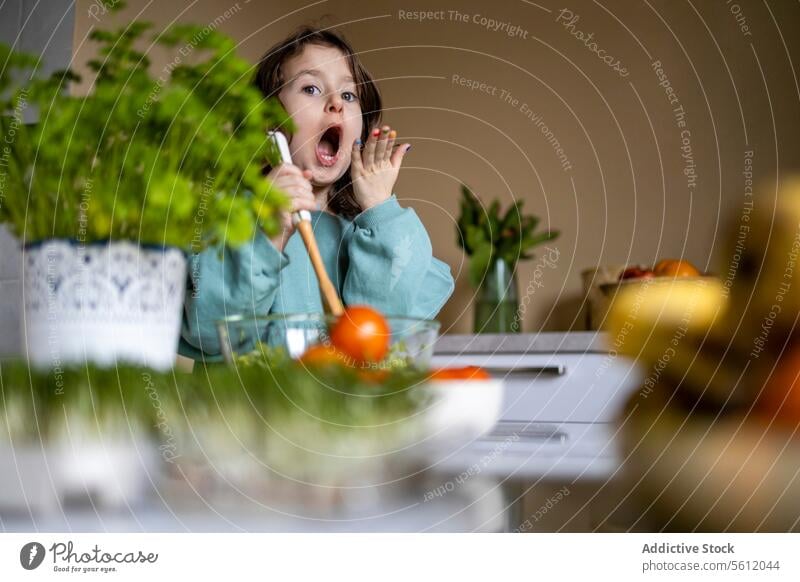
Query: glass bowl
(411,340)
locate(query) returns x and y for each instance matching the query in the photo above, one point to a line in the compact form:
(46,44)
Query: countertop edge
(523,343)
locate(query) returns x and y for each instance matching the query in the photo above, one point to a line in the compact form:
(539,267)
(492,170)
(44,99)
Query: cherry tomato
(362,333)
(463,373)
(322,355)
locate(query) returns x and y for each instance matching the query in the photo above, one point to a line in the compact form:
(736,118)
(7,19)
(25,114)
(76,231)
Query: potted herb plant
(494,243)
(108,191)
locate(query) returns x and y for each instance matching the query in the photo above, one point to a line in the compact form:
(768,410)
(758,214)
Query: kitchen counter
(530,343)
(562,394)
(476,507)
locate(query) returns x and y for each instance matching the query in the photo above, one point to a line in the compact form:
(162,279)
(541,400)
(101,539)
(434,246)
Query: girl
(344,169)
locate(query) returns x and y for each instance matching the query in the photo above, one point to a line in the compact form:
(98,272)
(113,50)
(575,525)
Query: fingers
(390,138)
(286,175)
(304,203)
(300,193)
(295,183)
(380,146)
(284,170)
(378,150)
(368,155)
(398,154)
(292,181)
(357,165)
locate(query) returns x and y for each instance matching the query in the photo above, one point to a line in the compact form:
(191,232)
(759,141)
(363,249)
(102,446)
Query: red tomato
(635,273)
(362,333)
(463,373)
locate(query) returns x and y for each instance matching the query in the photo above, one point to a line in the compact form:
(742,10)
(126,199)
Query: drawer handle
(556,370)
(526,432)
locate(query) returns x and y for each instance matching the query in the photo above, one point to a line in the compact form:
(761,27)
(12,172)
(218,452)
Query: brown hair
(269,78)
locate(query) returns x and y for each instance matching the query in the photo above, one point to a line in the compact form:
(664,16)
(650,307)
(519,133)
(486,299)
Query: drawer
(579,387)
(539,451)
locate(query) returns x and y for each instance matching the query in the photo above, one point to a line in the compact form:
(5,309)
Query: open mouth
(328,146)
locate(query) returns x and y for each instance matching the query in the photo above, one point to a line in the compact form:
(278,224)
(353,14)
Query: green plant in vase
(107,191)
(494,243)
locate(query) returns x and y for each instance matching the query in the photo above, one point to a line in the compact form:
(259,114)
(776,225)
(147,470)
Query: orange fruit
(675,268)
(362,333)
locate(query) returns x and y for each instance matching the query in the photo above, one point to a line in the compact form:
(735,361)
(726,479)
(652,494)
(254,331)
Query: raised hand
(375,168)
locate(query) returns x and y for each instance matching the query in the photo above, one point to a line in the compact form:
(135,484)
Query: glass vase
(497,301)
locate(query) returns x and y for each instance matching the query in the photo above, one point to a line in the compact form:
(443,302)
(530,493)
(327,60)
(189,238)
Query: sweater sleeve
(224,282)
(391,265)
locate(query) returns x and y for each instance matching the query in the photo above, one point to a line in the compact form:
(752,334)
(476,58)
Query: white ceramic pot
(103,303)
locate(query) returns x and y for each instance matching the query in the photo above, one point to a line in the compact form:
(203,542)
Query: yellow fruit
(645,318)
(762,259)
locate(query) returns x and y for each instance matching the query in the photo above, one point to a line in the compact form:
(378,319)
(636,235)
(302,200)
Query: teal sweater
(381,258)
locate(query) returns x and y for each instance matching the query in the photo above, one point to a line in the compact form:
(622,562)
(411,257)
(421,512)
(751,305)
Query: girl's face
(321,97)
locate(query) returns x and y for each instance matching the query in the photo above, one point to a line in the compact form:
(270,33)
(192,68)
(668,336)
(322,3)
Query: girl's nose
(335,103)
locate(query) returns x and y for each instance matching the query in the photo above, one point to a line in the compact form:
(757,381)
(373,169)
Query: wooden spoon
(302,221)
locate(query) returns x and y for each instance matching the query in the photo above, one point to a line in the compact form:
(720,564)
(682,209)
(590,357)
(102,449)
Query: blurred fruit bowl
(609,289)
(700,471)
(603,296)
(602,283)
(410,340)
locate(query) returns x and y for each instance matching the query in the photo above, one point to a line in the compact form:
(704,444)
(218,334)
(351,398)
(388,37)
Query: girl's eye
(311,90)
(349,96)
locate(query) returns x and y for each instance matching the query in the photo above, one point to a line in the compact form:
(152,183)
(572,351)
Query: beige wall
(625,197)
